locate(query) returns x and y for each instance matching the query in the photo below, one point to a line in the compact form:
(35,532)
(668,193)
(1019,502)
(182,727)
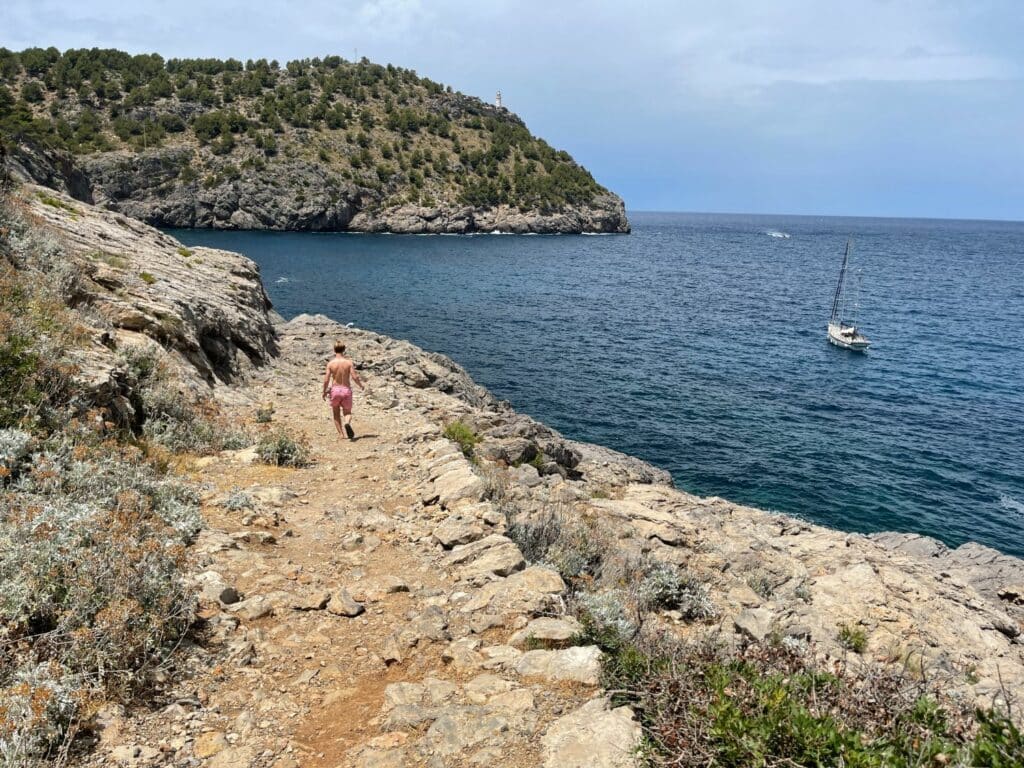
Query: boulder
(342,604)
(593,736)
(755,623)
(458,529)
(581,664)
(546,631)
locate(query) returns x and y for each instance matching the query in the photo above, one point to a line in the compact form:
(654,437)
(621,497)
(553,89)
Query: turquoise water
(698,343)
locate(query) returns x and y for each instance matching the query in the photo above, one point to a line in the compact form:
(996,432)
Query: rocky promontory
(314,145)
(440,590)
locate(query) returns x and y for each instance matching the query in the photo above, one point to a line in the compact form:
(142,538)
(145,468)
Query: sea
(698,343)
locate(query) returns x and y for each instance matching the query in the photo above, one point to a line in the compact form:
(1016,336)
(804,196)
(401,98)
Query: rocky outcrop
(606,214)
(137,287)
(153,187)
(158,187)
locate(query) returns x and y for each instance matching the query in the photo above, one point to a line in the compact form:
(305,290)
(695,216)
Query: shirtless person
(337,384)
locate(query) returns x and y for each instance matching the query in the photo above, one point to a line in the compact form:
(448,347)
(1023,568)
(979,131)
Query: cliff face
(320,145)
(134,286)
(301,195)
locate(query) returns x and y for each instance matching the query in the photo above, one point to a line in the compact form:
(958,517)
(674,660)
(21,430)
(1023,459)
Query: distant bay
(698,344)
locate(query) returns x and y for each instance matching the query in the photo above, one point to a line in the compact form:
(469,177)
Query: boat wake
(777,233)
(282,280)
(1012,504)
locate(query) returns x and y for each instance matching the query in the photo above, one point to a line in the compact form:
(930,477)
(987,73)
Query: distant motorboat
(777,233)
(841,331)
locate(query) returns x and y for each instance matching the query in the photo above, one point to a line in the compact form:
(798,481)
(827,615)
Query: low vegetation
(282,450)
(706,701)
(853,638)
(462,434)
(93,528)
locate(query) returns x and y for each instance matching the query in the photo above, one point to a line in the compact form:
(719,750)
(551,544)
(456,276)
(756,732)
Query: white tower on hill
(497,100)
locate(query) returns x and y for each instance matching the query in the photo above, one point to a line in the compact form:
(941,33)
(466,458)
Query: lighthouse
(497,100)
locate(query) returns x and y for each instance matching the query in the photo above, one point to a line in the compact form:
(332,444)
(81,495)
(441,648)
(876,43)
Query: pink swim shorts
(341,397)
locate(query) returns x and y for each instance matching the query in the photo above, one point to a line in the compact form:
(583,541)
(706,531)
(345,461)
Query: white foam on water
(1012,504)
(777,233)
(282,280)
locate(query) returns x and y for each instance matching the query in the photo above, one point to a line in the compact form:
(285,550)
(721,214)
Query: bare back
(339,371)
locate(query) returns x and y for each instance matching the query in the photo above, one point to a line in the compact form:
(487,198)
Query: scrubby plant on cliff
(283,450)
(92,533)
(772,705)
(172,420)
(91,556)
(463,435)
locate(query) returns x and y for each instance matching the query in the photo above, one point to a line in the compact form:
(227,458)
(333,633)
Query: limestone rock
(209,744)
(458,484)
(593,736)
(234,757)
(213,588)
(458,529)
(581,664)
(311,600)
(253,608)
(209,309)
(755,623)
(530,591)
(342,604)
(546,631)
(494,554)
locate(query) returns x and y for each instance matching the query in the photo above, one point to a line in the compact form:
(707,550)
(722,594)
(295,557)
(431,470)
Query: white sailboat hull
(847,337)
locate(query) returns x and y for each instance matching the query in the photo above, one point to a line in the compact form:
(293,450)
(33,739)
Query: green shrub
(282,450)
(184,252)
(662,585)
(462,434)
(761,583)
(147,278)
(770,705)
(55,202)
(853,638)
(169,418)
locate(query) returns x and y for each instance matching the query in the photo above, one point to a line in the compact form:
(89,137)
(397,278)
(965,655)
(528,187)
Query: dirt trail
(284,678)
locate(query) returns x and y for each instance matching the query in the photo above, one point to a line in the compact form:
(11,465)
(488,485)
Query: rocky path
(366,610)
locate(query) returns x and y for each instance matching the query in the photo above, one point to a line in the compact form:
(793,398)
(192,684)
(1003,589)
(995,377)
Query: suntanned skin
(340,372)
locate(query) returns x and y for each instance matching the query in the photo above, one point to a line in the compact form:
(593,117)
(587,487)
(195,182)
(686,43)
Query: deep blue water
(698,343)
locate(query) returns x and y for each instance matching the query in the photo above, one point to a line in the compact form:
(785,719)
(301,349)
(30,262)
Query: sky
(828,107)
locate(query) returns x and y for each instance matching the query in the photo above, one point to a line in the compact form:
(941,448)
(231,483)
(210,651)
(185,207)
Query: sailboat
(841,332)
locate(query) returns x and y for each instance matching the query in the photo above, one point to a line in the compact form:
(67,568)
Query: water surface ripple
(698,344)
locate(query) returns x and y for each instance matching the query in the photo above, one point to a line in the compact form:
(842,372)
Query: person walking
(341,373)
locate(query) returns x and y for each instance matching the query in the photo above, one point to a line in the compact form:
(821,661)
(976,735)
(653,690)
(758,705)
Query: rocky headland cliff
(433,593)
(317,144)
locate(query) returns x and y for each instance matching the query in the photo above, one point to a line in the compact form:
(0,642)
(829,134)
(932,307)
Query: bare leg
(348,425)
(336,414)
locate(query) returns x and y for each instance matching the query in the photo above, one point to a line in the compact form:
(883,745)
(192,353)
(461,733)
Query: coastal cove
(698,344)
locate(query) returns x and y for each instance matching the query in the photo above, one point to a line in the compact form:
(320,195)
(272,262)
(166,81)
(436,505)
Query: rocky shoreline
(375,608)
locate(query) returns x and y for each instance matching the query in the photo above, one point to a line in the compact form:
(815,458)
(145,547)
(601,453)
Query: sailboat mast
(839,287)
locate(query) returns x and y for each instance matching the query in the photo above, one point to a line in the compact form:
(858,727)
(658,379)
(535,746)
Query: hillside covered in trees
(316,144)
